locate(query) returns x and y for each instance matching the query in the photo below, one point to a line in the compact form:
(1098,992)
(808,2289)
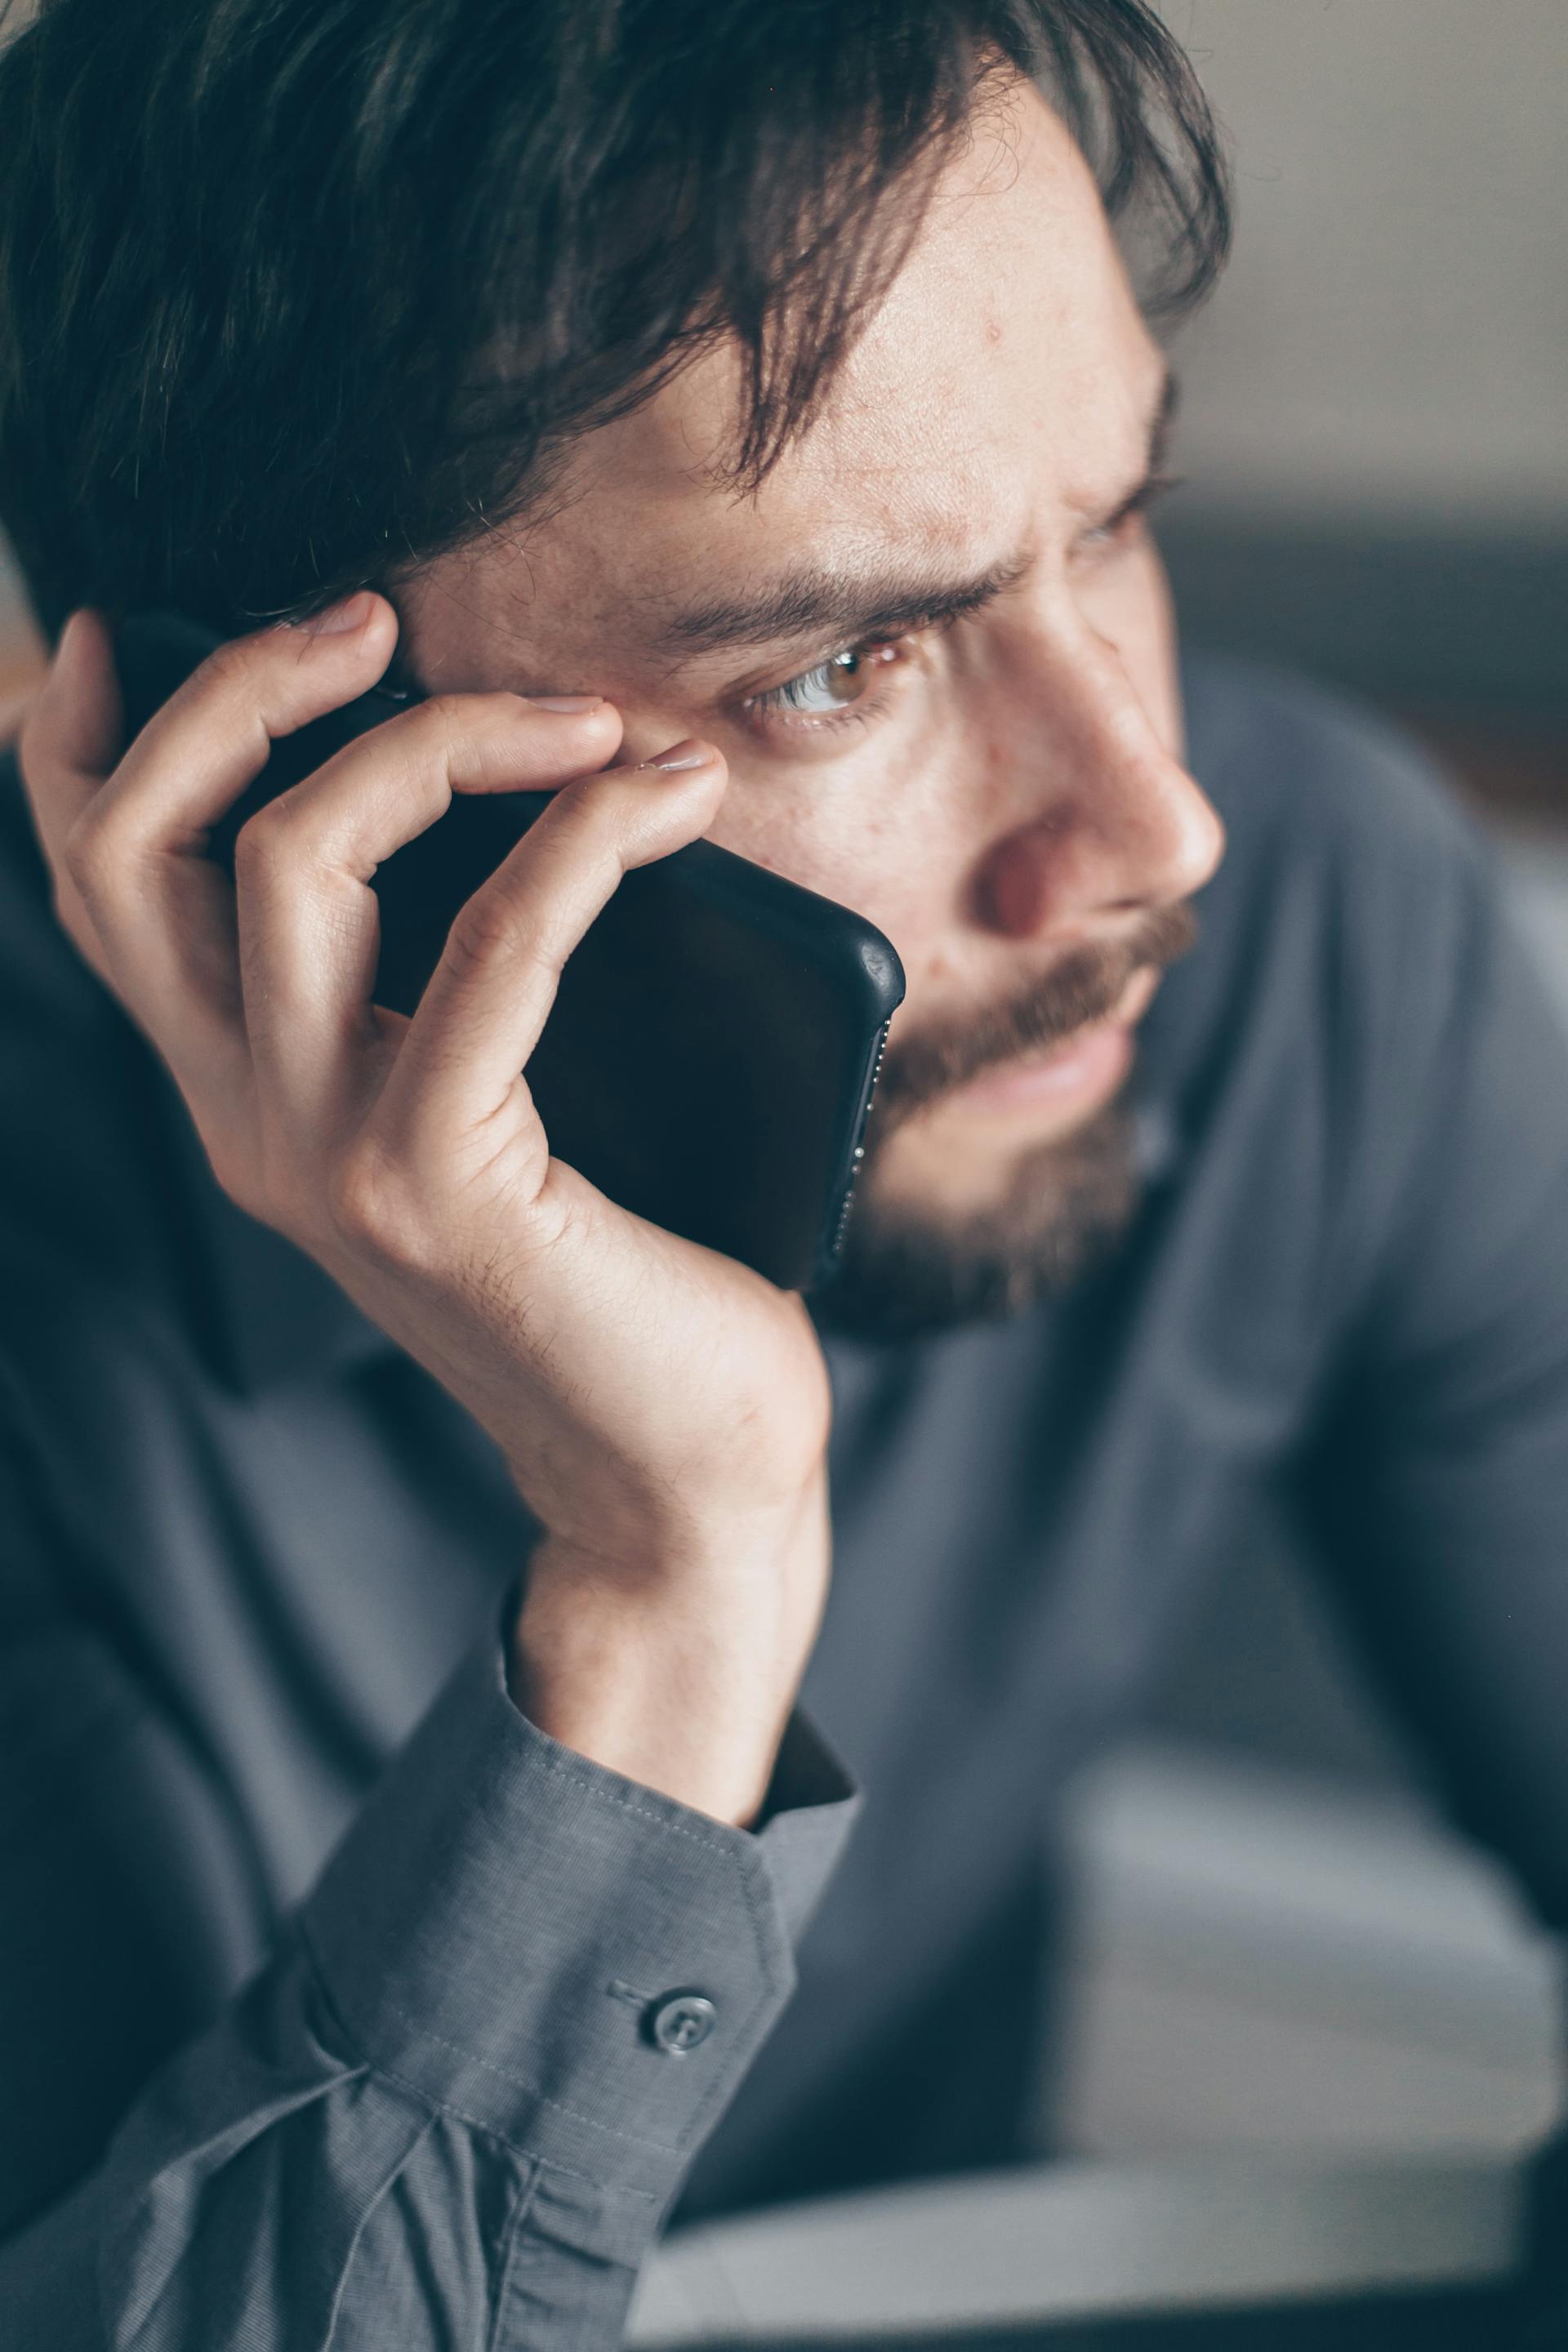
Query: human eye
(845,689)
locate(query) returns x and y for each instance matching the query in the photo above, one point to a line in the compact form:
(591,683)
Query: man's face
(935,648)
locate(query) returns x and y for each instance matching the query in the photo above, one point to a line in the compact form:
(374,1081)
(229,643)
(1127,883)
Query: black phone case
(710,1057)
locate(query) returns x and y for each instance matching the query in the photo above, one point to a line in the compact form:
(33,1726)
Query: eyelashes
(793,698)
(788,708)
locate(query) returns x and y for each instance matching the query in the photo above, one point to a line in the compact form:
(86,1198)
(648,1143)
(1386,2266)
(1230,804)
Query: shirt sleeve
(1439,1483)
(455,2103)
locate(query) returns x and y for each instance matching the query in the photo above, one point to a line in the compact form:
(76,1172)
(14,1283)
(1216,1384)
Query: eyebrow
(811,602)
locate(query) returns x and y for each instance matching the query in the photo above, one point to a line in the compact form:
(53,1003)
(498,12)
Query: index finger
(213,736)
(149,911)
(134,844)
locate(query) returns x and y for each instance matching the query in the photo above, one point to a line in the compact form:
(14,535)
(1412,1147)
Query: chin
(915,1267)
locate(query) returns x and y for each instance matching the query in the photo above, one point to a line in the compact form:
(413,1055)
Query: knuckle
(448,726)
(355,1196)
(90,853)
(369,1206)
(487,931)
(453,716)
(586,805)
(588,819)
(444,714)
(439,714)
(245,685)
(233,665)
(266,840)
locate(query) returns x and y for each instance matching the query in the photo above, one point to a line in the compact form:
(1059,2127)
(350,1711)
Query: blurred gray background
(1281,1945)
(1375,426)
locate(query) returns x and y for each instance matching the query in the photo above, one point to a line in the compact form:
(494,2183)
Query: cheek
(877,834)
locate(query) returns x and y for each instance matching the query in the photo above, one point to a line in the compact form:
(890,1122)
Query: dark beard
(903,1275)
(903,1278)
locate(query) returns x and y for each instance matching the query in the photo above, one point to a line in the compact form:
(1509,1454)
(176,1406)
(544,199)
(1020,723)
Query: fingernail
(688,754)
(352,612)
(566,701)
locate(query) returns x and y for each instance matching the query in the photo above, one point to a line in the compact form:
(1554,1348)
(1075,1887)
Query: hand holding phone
(664,1408)
(710,1056)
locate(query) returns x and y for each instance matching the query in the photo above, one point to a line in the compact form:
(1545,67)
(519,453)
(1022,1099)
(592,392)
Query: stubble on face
(908,1271)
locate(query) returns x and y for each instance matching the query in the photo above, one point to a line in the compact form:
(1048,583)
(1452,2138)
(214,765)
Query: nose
(1107,820)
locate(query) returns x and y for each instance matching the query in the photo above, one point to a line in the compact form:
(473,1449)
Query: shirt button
(678,2021)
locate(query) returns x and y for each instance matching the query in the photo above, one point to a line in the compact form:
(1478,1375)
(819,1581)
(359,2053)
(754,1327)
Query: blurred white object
(1077,2240)
(1538,866)
(1264,1960)
(1269,1960)
(1384,341)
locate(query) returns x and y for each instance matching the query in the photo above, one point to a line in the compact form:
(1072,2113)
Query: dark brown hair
(296,293)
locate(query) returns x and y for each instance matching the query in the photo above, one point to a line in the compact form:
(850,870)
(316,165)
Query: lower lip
(1080,1075)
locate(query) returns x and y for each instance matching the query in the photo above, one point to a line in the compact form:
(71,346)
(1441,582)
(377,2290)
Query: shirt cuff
(560,1955)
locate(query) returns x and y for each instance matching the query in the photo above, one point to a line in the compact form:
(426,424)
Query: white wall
(1393,337)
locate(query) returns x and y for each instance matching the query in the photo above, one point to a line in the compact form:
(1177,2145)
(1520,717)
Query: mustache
(1085,987)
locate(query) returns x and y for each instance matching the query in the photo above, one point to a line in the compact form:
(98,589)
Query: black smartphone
(710,1058)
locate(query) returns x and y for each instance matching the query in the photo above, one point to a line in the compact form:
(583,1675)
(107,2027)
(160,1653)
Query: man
(424,1684)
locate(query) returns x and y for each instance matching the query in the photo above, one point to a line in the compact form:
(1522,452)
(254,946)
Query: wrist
(675,1666)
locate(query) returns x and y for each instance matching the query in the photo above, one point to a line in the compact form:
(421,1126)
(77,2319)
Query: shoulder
(1359,1004)
(1352,868)
(1293,766)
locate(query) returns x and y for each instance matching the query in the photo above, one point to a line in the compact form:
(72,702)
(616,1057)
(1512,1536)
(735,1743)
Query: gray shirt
(340,2006)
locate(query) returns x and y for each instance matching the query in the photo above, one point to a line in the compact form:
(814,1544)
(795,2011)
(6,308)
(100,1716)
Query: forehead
(1007,366)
